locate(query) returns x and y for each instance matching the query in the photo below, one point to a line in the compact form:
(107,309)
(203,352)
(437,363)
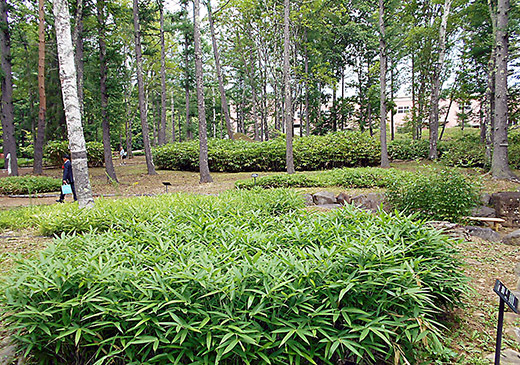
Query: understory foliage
(364,177)
(54,151)
(28,185)
(341,149)
(246,277)
(434,194)
(461,150)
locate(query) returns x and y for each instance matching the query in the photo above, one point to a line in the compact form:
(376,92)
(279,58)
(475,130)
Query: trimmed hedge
(229,280)
(341,149)
(54,150)
(28,185)
(362,177)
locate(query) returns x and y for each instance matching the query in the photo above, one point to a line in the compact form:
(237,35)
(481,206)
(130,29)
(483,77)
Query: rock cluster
(326,199)
(505,205)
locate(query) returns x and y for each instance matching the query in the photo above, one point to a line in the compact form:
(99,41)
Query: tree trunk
(306,58)
(7,112)
(342,127)
(334,110)
(77,39)
(189,134)
(392,123)
(482,122)
(107,149)
(490,90)
(446,118)
(276,113)
(162,129)
(156,114)
(173,118)
(500,161)
(180,128)
(265,127)
(414,109)
(370,127)
(140,85)
(437,75)
(71,104)
(205,176)
(287,89)
(223,98)
(383,68)
(128,125)
(40,136)
(252,79)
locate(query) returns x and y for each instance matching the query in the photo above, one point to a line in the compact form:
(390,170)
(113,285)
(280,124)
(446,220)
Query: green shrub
(408,149)
(434,194)
(466,151)
(22,162)
(362,177)
(227,280)
(514,155)
(342,149)
(54,151)
(28,185)
(27,151)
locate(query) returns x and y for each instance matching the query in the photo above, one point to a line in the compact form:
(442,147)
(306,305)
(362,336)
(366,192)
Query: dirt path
(133,180)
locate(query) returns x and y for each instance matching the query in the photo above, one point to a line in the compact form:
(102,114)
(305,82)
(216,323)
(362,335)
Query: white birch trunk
(289,158)
(69,89)
(434,109)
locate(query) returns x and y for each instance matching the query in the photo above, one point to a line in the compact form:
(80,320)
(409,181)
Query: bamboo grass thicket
(246,277)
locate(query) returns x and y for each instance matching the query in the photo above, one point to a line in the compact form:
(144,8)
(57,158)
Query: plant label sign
(506,295)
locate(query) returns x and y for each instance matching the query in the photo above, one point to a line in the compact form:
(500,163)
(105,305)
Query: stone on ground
(485,233)
(328,206)
(344,199)
(507,357)
(308,199)
(507,206)
(370,201)
(483,212)
(324,198)
(512,238)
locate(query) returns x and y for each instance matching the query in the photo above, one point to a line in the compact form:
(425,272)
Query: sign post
(512,302)
(166,184)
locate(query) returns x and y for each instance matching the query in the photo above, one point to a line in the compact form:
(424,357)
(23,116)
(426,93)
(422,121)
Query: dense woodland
(332,65)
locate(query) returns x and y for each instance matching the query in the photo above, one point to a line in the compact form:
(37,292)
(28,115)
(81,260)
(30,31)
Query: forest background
(336,49)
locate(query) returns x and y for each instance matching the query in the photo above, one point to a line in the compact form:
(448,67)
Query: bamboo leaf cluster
(241,278)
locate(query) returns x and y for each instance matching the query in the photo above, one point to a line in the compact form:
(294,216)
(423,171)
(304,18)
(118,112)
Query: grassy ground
(470,330)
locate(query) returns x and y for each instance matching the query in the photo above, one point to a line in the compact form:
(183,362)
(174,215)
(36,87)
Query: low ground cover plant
(28,185)
(434,194)
(341,149)
(364,177)
(246,277)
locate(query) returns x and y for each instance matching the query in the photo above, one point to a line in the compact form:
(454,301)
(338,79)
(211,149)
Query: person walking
(67,178)
(122,155)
